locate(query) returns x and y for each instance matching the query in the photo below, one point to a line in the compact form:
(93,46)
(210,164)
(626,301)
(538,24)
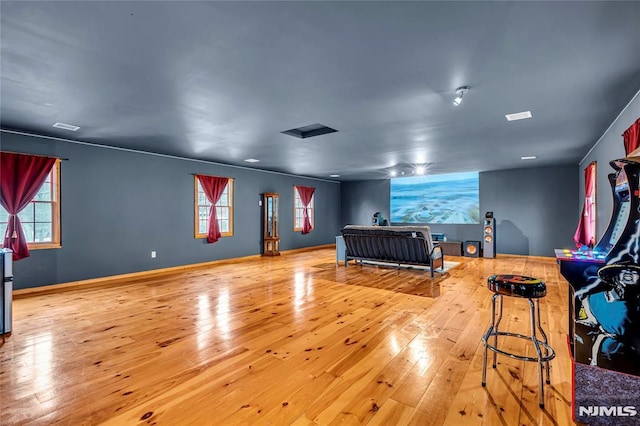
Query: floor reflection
(410,280)
(303,289)
(213,328)
(204,321)
(37,366)
(222,314)
(421,355)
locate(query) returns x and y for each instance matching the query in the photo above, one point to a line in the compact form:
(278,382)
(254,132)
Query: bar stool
(531,289)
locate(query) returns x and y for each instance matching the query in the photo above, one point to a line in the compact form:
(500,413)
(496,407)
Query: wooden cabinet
(451,248)
(270,224)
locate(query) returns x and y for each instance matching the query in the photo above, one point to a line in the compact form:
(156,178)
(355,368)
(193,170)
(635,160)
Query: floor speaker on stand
(489,236)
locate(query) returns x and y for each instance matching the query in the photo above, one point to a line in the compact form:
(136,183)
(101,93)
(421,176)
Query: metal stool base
(541,345)
(549,350)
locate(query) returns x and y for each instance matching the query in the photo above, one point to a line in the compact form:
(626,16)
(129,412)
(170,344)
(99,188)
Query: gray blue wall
(609,147)
(118,206)
(534,208)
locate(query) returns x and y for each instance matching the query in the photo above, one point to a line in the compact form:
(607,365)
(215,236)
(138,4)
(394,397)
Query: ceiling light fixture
(334,175)
(393,173)
(460,91)
(252,160)
(529,157)
(518,116)
(419,170)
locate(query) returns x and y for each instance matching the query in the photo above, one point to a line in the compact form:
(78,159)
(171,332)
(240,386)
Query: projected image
(450,198)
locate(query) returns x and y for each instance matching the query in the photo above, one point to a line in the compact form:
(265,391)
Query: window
(41,218)
(298,208)
(224,211)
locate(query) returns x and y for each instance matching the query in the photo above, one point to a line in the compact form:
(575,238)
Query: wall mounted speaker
(472,248)
(489,237)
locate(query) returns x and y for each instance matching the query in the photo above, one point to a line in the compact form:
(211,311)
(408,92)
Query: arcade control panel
(594,256)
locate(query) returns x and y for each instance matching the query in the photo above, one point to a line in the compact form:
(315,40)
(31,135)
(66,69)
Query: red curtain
(586,232)
(631,137)
(213,188)
(306,194)
(21,177)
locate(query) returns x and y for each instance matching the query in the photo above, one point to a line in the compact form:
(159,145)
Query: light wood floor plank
(288,340)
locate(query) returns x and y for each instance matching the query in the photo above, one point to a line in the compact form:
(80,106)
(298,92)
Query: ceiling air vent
(309,131)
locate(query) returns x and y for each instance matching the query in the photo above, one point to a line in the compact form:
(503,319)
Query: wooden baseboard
(303,249)
(118,279)
(526,255)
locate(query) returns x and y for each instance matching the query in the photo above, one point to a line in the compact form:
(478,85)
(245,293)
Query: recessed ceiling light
(393,173)
(66,126)
(252,160)
(530,157)
(518,116)
(334,175)
(419,170)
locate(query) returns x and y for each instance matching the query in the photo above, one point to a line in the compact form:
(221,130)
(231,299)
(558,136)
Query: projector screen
(450,198)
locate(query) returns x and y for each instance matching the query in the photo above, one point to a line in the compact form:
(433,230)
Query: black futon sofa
(411,245)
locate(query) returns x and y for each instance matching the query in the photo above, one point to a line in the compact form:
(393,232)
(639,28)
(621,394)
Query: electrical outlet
(153,254)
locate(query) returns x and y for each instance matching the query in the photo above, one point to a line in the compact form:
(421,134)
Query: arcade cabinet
(604,309)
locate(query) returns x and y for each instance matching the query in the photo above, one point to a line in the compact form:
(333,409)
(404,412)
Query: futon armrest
(436,252)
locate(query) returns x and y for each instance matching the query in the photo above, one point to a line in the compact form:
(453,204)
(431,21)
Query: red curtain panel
(586,232)
(21,177)
(631,137)
(306,193)
(213,187)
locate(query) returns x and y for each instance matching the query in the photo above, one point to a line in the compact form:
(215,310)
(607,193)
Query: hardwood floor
(288,340)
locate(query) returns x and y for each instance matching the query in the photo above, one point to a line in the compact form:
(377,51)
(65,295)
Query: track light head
(460,91)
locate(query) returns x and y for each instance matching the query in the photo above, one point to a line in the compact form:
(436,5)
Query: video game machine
(604,309)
